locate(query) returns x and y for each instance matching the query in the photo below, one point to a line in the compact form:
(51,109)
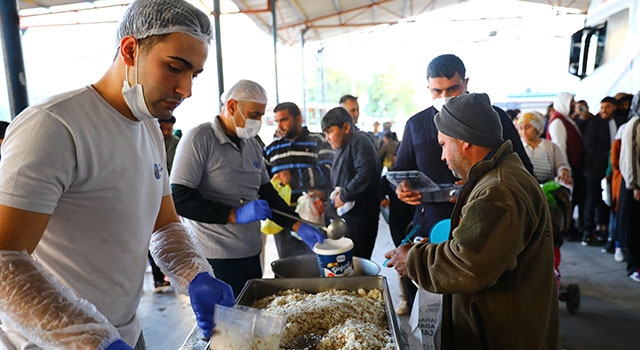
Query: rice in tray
(345,320)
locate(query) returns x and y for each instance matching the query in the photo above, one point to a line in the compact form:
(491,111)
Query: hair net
(534,118)
(245,90)
(144,18)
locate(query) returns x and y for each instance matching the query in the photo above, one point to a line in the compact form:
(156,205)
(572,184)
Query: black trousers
(362,222)
(157,274)
(595,211)
(236,272)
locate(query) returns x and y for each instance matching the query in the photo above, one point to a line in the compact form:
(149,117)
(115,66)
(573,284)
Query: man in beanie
(419,149)
(496,269)
(80,208)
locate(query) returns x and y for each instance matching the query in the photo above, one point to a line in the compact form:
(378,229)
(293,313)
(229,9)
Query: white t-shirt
(101,177)
(207,160)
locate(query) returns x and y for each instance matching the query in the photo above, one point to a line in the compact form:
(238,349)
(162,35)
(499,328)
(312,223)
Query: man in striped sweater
(303,160)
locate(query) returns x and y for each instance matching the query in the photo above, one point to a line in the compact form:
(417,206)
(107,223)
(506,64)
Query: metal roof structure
(29,4)
(296,22)
(315,20)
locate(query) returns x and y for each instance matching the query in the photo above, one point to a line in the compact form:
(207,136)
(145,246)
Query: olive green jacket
(496,270)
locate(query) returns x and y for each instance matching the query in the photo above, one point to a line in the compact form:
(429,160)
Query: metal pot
(303,266)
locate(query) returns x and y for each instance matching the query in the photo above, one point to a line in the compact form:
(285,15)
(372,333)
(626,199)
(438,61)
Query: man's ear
(231,106)
(128,50)
(347,127)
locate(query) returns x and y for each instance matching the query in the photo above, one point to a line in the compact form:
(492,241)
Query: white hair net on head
(245,90)
(144,18)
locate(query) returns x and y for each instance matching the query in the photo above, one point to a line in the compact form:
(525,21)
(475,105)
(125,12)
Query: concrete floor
(608,317)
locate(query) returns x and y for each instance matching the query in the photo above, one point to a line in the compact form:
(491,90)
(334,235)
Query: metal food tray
(256,289)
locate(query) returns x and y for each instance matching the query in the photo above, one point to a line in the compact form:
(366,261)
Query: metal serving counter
(259,288)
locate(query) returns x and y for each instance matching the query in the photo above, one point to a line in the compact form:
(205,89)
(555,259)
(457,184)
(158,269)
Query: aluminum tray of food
(257,289)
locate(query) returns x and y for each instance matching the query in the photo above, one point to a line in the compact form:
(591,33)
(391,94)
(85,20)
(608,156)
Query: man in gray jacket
(496,269)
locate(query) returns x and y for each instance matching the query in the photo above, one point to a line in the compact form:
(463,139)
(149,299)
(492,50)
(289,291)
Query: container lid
(333,247)
(413,179)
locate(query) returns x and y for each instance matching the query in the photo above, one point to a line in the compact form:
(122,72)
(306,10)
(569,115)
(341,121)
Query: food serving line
(304,273)
(332,269)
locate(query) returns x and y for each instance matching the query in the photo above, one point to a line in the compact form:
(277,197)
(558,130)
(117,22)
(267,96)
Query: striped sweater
(308,158)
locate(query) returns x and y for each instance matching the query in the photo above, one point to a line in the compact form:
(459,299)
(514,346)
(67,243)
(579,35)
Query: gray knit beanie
(470,118)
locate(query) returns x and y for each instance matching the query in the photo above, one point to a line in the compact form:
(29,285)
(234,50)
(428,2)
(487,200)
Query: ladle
(336,229)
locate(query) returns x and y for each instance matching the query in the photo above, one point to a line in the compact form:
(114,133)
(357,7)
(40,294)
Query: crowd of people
(585,156)
(94,184)
(583,152)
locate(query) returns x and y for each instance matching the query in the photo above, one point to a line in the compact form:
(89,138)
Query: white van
(605,54)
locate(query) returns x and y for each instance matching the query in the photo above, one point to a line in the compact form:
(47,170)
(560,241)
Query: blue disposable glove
(310,235)
(119,345)
(253,211)
(205,291)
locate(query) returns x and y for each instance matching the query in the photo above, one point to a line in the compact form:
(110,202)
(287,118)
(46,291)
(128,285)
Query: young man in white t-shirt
(84,194)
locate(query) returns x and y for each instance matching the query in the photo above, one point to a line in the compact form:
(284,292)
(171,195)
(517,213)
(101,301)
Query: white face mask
(251,127)
(439,102)
(134,96)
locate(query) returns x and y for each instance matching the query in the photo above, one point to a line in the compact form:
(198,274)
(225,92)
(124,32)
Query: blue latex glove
(205,291)
(119,345)
(310,235)
(253,211)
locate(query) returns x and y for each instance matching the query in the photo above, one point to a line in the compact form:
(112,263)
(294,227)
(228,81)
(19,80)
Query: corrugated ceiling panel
(325,18)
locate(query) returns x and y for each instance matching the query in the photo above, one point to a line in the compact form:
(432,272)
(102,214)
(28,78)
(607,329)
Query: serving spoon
(336,229)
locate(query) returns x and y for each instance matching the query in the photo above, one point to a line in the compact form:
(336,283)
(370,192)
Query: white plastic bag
(347,205)
(606,191)
(310,208)
(426,319)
